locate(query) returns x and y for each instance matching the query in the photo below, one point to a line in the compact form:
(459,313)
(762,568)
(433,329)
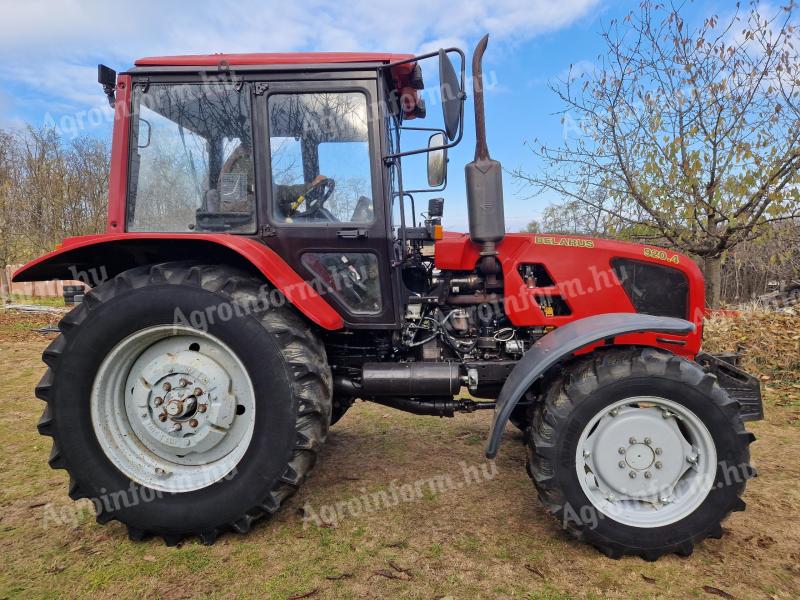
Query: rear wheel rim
(646,461)
(173,408)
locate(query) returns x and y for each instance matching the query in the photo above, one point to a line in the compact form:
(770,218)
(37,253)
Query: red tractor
(263,267)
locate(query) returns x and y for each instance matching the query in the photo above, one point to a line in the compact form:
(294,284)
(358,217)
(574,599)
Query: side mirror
(452,95)
(107,77)
(437,160)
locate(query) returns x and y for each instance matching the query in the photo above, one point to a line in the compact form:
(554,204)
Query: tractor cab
(299,151)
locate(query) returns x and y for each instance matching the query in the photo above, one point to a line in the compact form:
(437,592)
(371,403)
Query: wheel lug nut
(177,427)
(167,386)
(658,450)
(193,423)
(632,474)
(158,401)
(647,440)
(632,440)
(162,417)
(658,464)
(202,408)
(621,464)
(183,382)
(621,450)
(647,474)
(198,392)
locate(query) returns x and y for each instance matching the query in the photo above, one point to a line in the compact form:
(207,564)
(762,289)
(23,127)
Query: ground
(454,531)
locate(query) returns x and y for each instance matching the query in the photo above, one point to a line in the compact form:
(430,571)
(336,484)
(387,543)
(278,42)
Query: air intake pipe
(484,179)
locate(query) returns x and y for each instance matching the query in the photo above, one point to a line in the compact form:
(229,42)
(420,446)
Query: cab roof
(406,76)
(271,58)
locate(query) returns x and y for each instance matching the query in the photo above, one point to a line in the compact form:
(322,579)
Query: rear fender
(95,258)
(562,344)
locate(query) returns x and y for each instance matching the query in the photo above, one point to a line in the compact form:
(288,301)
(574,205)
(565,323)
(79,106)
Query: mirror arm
(455,142)
(110,94)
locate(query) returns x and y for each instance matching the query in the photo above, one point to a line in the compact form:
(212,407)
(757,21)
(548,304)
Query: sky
(50,52)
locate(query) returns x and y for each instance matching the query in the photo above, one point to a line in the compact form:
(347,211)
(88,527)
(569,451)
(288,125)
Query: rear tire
(608,483)
(278,402)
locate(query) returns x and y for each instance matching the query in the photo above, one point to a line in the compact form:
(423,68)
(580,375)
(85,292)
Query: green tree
(690,132)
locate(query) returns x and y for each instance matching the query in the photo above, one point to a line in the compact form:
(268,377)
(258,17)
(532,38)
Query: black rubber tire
(340,406)
(287,366)
(591,383)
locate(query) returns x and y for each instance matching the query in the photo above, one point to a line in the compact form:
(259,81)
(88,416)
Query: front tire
(182,403)
(638,451)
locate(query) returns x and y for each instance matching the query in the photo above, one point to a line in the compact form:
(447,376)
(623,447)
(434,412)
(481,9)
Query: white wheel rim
(173,408)
(646,461)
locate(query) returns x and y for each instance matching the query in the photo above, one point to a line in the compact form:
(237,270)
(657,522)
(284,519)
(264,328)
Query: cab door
(322,206)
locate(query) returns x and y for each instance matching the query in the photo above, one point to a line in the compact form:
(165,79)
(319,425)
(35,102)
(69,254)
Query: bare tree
(9,221)
(691,131)
(49,190)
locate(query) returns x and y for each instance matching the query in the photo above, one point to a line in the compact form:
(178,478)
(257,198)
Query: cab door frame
(292,240)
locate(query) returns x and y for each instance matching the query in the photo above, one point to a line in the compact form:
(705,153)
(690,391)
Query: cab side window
(320,162)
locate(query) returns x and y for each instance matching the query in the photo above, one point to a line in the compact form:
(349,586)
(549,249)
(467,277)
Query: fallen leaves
(535,570)
(708,589)
(768,341)
(398,573)
(306,595)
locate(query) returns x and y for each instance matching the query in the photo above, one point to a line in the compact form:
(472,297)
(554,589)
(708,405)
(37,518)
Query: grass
(55,301)
(488,539)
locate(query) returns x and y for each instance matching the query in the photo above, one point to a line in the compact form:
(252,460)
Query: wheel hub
(640,456)
(164,409)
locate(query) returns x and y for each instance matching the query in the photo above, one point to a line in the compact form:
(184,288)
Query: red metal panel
(297,291)
(118,177)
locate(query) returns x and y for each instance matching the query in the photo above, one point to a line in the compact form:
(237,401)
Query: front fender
(95,258)
(560,344)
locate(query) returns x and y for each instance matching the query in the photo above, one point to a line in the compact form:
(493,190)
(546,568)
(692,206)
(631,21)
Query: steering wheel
(314,197)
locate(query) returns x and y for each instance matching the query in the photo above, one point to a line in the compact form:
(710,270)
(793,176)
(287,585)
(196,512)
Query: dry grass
(490,539)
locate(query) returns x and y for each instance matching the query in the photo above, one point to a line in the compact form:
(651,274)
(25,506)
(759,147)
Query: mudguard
(95,258)
(561,344)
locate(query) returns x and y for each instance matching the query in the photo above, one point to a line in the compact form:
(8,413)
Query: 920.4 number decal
(661,255)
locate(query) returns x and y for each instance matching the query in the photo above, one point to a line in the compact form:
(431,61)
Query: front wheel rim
(646,461)
(173,408)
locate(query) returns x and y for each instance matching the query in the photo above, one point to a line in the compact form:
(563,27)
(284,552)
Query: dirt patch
(487,537)
(20,326)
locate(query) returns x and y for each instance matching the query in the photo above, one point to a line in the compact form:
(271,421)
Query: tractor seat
(363,211)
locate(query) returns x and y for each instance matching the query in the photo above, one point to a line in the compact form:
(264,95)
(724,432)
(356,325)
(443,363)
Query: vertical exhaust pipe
(484,179)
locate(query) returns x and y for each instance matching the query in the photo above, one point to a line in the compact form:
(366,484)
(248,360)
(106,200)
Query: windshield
(191,159)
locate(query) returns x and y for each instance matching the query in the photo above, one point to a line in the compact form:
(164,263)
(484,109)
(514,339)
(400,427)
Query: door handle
(352,234)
